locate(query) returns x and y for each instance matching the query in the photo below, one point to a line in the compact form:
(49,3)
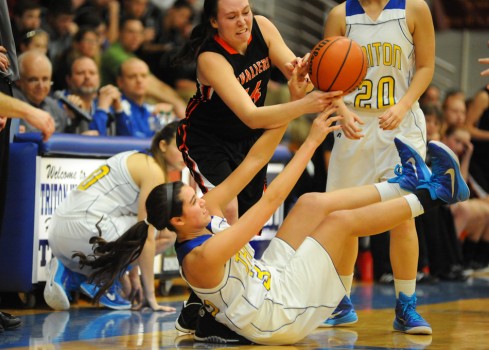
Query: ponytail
(111,259)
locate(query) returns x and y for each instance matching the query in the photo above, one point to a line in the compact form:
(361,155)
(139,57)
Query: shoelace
(398,170)
(409,310)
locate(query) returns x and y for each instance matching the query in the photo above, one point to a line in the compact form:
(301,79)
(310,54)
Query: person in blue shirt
(138,118)
(103,104)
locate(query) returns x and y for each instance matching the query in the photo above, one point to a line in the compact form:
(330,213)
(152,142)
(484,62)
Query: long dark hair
(111,259)
(200,34)
(166,134)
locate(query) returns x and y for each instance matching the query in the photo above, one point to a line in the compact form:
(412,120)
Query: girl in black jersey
(234,51)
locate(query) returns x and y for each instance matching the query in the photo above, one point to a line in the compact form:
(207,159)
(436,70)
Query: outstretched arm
(214,70)
(223,246)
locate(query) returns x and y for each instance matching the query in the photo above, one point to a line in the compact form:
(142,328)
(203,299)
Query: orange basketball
(337,63)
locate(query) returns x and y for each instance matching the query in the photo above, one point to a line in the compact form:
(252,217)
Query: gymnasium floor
(457,311)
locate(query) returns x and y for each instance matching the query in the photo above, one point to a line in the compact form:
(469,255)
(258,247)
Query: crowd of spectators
(80,47)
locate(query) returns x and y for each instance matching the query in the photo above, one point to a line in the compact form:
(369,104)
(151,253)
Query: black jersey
(207,112)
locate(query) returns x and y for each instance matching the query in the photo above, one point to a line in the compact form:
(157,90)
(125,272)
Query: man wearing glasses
(35,85)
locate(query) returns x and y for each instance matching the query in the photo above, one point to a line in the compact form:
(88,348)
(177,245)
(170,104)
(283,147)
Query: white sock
(408,287)
(415,205)
(347,282)
(389,190)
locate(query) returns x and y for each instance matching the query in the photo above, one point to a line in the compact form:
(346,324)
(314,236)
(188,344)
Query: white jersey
(389,47)
(278,299)
(108,198)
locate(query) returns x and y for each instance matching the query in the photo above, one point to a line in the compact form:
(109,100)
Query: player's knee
(313,201)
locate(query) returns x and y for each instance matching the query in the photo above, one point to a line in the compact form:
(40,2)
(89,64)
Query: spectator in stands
(96,23)
(130,40)
(101,103)
(60,26)
(145,11)
(472,217)
(27,17)
(36,39)
(176,25)
(101,11)
(454,110)
(34,87)
(138,118)
(86,42)
(434,121)
(432,95)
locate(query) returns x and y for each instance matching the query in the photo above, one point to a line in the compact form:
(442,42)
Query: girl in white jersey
(285,295)
(398,39)
(110,201)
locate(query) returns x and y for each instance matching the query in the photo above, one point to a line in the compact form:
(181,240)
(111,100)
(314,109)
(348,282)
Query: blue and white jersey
(389,47)
(241,292)
(277,299)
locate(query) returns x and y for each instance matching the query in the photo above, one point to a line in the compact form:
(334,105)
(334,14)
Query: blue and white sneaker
(60,282)
(112,299)
(413,168)
(407,318)
(343,315)
(446,183)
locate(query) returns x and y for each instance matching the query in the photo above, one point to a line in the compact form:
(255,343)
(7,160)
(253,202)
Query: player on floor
(263,301)
(111,200)
(398,39)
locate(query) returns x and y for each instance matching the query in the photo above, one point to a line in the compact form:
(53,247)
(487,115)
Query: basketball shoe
(446,183)
(413,168)
(343,315)
(59,285)
(408,320)
(187,320)
(209,330)
(112,298)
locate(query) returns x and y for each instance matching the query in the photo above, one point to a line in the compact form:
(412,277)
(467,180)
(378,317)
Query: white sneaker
(55,294)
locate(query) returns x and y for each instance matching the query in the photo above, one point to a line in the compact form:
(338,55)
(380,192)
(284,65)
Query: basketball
(337,63)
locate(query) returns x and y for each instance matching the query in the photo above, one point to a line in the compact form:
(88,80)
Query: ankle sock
(347,283)
(389,190)
(408,287)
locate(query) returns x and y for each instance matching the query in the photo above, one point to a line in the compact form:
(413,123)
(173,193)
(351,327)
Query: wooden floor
(458,313)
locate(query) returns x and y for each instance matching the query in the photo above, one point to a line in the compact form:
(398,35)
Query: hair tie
(146,221)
